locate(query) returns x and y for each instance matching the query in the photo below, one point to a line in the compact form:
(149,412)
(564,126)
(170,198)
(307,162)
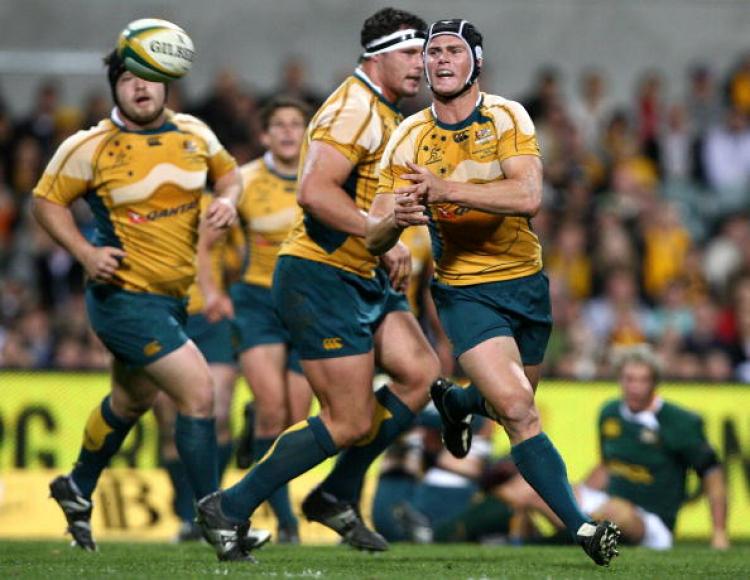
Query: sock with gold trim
(392,417)
(279,500)
(298,449)
(102,438)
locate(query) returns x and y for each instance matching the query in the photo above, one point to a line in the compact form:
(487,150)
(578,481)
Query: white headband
(405,38)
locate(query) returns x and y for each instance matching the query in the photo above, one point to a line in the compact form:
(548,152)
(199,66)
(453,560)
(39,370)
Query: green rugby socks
(298,449)
(225,456)
(462,401)
(195,438)
(392,417)
(544,470)
(102,438)
(182,502)
(279,500)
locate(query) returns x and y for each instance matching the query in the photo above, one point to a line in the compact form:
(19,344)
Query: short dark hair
(387,21)
(282,102)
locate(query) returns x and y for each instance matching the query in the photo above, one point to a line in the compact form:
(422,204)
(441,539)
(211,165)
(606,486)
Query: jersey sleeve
(516,134)
(398,151)
(693,447)
(69,173)
(345,125)
(220,161)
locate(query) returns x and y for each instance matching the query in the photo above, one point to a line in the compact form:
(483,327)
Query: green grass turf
(55,561)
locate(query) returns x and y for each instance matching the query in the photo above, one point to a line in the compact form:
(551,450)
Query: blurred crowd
(645,222)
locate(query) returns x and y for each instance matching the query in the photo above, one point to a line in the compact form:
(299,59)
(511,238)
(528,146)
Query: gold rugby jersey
(469,246)
(417,239)
(144,189)
(357,120)
(218,258)
(267,211)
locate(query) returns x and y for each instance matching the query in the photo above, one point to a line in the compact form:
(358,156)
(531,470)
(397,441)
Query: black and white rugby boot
(344,519)
(77,510)
(456,432)
(599,541)
(227,537)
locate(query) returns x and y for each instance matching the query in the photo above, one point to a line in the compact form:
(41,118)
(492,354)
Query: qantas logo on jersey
(138,218)
(448,213)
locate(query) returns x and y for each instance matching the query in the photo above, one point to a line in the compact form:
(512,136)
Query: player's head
(453,57)
(139,100)
(393,40)
(638,371)
(283,121)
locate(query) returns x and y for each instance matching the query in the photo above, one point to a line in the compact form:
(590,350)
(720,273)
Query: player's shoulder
(504,111)
(253,169)
(406,135)
(351,96)
(416,121)
(188,122)
(85,141)
(679,416)
(610,408)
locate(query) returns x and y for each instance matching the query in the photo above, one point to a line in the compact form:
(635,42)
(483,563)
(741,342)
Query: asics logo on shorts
(333,343)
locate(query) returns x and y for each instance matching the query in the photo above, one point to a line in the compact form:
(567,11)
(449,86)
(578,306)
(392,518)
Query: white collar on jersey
(368,81)
(116,118)
(646,418)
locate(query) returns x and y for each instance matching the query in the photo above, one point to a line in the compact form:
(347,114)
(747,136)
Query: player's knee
(270,421)
(197,403)
(353,432)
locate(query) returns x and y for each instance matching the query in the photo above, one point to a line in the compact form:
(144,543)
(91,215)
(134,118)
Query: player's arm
(598,478)
(388,216)
(223,209)
(714,484)
(321,192)
(519,194)
(216,304)
(57,220)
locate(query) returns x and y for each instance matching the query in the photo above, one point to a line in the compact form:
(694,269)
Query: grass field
(55,560)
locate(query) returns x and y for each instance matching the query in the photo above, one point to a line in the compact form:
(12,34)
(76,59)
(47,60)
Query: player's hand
(408,211)
(427,187)
(397,262)
(221,213)
(217,306)
(102,263)
(720,540)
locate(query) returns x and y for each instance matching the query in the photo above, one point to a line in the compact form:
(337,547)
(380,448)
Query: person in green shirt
(648,445)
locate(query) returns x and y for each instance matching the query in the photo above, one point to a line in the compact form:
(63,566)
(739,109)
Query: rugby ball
(155,49)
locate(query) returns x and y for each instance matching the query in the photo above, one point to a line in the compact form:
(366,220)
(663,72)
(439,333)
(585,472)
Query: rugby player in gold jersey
(469,167)
(142,171)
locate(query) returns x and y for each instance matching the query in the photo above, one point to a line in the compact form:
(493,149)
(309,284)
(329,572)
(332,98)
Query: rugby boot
(77,510)
(344,519)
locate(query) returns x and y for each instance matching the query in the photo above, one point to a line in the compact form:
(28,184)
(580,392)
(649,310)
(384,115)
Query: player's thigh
(224,379)
(137,328)
(626,515)
(329,313)
(343,387)
(495,367)
(402,351)
(299,396)
(185,376)
(264,369)
(518,308)
(132,392)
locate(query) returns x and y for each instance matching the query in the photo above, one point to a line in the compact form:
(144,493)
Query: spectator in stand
(738,86)
(666,243)
(591,109)
(569,262)
(40,124)
(649,111)
(545,93)
(293,83)
(726,158)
